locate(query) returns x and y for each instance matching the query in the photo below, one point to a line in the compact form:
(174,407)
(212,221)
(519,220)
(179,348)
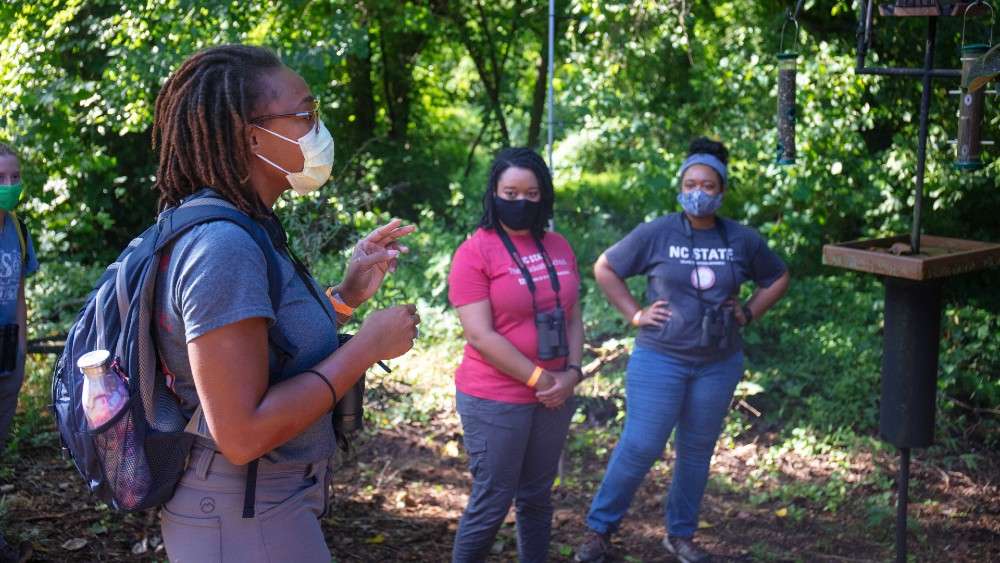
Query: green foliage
(822,370)
(799,351)
(419,95)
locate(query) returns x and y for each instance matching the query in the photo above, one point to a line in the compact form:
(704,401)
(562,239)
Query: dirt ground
(401,495)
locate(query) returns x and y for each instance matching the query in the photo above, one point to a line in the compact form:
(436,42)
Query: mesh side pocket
(167,454)
(123,460)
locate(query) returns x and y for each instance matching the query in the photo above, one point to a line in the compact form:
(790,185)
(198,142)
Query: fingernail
(393,253)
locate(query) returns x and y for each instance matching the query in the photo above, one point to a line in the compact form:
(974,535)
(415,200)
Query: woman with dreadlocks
(236,121)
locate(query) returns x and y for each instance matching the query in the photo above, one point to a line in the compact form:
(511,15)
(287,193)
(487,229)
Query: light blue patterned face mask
(699,204)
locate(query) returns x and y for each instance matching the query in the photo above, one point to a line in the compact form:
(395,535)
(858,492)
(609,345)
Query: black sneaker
(594,549)
(685,550)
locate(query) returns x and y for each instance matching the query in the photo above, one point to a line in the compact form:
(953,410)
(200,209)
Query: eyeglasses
(311,116)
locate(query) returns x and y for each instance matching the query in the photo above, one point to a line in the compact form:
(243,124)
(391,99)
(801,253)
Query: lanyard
(278,236)
(721,228)
(528,280)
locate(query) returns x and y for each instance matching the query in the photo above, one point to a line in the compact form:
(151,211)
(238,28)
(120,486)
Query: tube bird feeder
(787,74)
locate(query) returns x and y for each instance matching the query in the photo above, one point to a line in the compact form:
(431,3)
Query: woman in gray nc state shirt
(688,355)
(236,120)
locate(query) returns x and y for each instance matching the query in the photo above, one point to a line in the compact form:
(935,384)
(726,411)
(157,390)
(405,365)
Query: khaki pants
(203,521)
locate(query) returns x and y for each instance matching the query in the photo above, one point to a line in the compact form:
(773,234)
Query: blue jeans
(514,454)
(662,392)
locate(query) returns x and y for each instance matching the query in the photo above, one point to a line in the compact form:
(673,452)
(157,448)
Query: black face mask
(519,214)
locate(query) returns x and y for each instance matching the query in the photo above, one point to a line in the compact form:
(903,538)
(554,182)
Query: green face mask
(9,196)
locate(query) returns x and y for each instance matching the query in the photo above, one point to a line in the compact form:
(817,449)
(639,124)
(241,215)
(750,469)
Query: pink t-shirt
(482,269)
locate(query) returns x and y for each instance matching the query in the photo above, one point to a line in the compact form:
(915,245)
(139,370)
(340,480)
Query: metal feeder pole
(912,330)
(927,74)
(925,108)
(902,502)
(903,492)
(552,67)
(551,108)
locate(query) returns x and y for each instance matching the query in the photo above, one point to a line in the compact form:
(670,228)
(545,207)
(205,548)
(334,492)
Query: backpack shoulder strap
(204,209)
(22,236)
(207,207)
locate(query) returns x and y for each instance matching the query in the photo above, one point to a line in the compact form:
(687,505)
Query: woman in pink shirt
(516,288)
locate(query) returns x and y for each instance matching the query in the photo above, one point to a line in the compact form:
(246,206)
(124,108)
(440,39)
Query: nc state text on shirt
(702,254)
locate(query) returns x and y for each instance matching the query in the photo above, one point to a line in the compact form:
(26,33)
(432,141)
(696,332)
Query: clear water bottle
(104,393)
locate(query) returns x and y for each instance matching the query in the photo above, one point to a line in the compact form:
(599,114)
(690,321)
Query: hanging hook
(993,19)
(798,8)
(789,17)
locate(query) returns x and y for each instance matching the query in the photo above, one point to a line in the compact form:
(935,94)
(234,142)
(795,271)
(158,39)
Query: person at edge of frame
(17,262)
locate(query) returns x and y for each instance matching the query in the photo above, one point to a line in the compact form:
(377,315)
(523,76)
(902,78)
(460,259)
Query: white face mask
(317,149)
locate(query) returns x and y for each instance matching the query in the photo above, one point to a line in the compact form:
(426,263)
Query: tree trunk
(399,53)
(538,98)
(482,56)
(537,111)
(362,88)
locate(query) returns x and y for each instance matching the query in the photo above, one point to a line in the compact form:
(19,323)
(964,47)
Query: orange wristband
(338,304)
(534,376)
(635,318)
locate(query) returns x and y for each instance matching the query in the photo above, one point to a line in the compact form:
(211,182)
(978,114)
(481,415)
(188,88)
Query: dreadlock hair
(519,157)
(5,150)
(199,121)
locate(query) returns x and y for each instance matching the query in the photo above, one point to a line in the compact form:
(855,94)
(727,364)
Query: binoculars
(349,413)
(718,327)
(551,327)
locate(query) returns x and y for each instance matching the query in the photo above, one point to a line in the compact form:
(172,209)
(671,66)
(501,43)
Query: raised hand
(374,256)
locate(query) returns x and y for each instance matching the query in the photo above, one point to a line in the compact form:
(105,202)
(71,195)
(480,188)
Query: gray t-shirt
(215,275)
(669,253)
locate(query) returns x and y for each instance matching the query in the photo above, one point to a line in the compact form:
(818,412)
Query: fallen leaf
(376,540)
(561,516)
(140,547)
(781,512)
(703,525)
(74,544)
(404,500)
(451,448)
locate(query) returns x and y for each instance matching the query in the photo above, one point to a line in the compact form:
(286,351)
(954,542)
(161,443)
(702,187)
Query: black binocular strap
(719,226)
(528,280)
(250,491)
(280,240)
